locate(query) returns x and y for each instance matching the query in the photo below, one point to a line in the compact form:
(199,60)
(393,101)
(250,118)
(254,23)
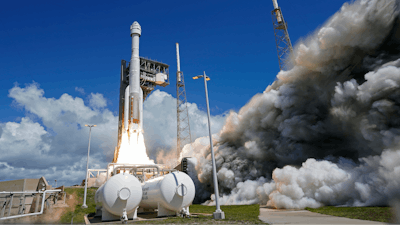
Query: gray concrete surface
(298,217)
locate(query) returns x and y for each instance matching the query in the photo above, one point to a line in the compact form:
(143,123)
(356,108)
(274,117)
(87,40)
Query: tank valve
(124,217)
(184,213)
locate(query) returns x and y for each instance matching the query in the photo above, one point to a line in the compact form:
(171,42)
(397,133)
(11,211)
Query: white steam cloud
(325,132)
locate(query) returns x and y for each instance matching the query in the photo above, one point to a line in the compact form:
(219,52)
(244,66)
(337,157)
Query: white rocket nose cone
(136,28)
(124,193)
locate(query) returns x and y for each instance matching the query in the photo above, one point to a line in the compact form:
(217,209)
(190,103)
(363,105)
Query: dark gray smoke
(325,132)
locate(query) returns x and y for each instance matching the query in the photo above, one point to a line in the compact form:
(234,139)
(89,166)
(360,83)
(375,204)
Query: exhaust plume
(325,132)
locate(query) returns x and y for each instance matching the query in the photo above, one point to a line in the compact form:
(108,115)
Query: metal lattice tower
(183,128)
(283,44)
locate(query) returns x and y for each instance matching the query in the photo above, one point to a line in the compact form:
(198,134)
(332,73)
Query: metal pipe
(10,205)
(3,208)
(133,172)
(31,214)
(151,166)
(37,202)
(123,167)
(141,166)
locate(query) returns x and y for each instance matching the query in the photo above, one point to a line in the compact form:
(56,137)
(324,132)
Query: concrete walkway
(278,216)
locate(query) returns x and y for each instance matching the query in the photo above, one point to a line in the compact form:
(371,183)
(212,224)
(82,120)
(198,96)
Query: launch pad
(133,183)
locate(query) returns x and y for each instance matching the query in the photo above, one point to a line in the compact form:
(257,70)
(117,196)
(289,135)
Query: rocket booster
(135,107)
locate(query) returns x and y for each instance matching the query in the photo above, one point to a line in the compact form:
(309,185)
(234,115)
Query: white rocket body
(135,107)
(127,109)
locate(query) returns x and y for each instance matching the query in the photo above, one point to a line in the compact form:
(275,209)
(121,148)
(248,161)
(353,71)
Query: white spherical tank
(173,191)
(121,191)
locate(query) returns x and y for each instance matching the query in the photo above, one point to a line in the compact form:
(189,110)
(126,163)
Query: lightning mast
(283,44)
(183,128)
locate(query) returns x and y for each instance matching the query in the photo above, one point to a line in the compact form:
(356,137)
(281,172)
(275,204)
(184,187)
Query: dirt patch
(50,215)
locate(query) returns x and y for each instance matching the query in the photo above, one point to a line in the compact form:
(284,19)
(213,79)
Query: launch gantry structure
(152,73)
(283,44)
(183,126)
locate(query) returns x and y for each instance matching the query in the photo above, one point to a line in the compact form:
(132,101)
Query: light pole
(87,166)
(218,214)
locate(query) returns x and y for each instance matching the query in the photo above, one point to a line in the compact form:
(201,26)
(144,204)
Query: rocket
(133,115)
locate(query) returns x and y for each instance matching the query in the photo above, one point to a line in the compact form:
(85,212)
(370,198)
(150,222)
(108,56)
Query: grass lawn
(77,212)
(381,214)
(234,214)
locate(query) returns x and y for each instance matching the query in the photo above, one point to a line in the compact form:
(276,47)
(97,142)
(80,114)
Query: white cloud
(80,90)
(52,141)
(57,140)
(97,100)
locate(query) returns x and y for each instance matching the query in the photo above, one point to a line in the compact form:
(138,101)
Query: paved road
(298,217)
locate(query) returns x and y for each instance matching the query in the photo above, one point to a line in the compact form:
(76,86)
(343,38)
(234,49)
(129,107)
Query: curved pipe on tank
(151,166)
(124,167)
(113,165)
(133,168)
(168,170)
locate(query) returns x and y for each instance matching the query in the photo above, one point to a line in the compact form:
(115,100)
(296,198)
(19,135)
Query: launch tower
(283,44)
(183,128)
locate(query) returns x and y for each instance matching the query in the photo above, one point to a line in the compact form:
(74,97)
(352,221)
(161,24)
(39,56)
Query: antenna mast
(283,44)
(183,129)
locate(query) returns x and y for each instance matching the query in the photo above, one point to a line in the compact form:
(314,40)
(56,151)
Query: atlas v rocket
(138,79)
(133,110)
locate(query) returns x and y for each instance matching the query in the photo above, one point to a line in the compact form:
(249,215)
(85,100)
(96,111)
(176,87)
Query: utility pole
(283,44)
(87,166)
(218,214)
(183,126)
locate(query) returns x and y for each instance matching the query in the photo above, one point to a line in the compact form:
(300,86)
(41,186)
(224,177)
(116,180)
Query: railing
(112,169)
(91,175)
(8,203)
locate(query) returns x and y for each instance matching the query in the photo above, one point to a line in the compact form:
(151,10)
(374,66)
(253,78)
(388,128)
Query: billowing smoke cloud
(325,132)
(160,125)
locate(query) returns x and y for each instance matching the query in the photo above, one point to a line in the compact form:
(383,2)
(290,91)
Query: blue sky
(51,49)
(63,45)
